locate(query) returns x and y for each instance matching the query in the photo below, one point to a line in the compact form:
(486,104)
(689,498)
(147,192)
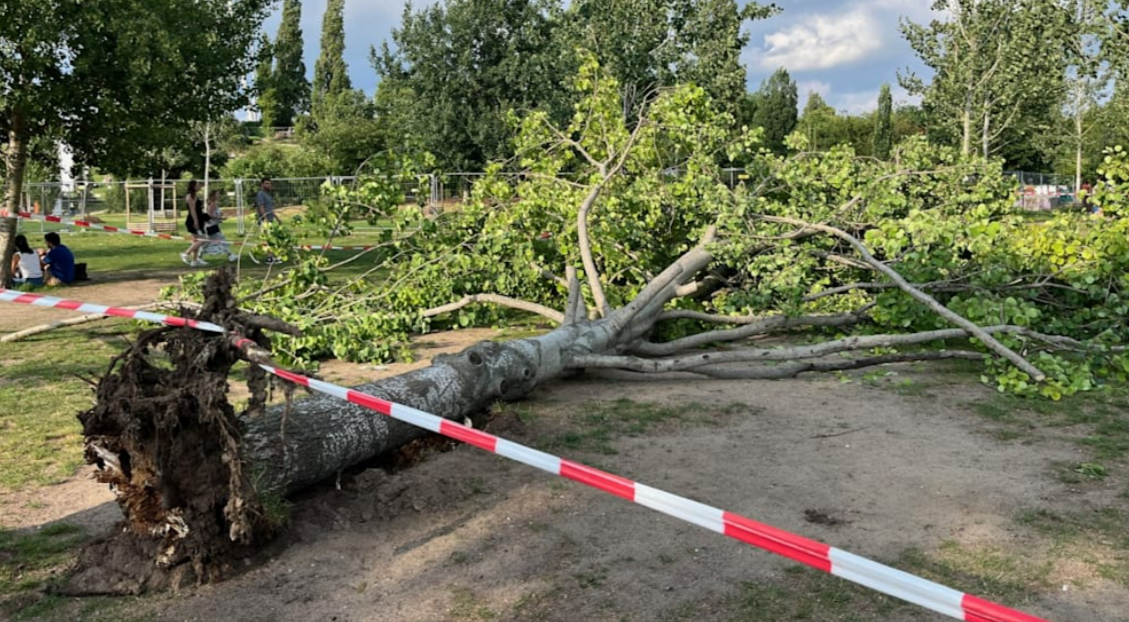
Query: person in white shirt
(26,265)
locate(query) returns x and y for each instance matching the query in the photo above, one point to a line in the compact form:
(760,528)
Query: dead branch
(84,319)
(919,295)
(575,300)
(497,299)
(751,326)
(794,368)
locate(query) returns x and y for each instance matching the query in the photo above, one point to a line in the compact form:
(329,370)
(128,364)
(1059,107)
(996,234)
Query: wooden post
(8,228)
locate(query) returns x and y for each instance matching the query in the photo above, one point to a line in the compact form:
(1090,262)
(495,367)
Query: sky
(844,51)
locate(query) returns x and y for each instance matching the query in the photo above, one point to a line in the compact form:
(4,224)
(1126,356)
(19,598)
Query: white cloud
(822,41)
(866,101)
(804,87)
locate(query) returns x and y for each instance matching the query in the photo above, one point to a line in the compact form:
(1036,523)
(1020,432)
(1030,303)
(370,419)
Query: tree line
(1039,83)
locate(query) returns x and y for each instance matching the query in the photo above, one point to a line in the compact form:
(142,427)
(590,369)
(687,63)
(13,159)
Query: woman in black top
(196,223)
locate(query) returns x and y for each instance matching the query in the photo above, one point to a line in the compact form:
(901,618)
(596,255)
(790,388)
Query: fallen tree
(667,255)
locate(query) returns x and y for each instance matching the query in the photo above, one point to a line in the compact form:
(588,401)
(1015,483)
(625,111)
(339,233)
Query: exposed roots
(166,440)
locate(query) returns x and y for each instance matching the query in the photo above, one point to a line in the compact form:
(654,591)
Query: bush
(278,161)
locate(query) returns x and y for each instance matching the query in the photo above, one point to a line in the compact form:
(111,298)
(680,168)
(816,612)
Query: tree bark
(16,160)
(8,228)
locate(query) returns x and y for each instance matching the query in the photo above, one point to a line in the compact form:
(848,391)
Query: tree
(641,270)
(648,44)
(290,91)
(84,74)
(501,51)
(776,108)
(331,74)
(998,67)
(264,100)
(883,124)
(816,121)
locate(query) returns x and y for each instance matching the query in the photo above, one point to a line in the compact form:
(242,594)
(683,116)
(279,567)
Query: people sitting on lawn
(58,261)
(26,268)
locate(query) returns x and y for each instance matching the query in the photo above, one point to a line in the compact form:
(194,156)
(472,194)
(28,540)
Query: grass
(29,561)
(1097,421)
(40,435)
(112,253)
(599,424)
(466,605)
(808,594)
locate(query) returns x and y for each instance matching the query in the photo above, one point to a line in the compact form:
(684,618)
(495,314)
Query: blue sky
(842,50)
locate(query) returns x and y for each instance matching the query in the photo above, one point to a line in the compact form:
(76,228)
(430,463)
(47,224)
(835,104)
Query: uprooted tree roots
(165,438)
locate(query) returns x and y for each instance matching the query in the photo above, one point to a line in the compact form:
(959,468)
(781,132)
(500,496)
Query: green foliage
(502,51)
(776,109)
(289,92)
(270,160)
(883,124)
(942,219)
(344,130)
(331,75)
(85,72)
(1110,194)
(999,70)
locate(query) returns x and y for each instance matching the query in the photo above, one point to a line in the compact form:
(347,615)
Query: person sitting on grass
(26,267)
(58,260)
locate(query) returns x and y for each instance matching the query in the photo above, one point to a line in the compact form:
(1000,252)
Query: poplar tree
(883,124)
(331,75)
(776,109)
(291,90)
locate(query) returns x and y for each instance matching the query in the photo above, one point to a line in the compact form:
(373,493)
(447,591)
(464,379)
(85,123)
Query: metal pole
(149,192)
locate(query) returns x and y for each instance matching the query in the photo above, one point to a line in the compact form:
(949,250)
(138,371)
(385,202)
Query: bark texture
(8,228)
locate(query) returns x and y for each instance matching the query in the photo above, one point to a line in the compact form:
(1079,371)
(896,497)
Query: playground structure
(160,206)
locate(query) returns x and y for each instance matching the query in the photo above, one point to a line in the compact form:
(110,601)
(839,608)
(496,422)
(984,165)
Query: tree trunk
(16,160)
(207,158)
(1079,136)
(986,136)
(8,227)
(966,133)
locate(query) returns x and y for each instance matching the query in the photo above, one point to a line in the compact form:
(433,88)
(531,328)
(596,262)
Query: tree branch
(791,370)
(575,300)
(920,296)
(751,326)
(82,319)
(497,299)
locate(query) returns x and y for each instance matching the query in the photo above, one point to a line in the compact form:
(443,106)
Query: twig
(865,427)
(497,299)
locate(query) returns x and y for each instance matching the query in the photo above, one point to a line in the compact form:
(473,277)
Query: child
(217,243)
(26,267)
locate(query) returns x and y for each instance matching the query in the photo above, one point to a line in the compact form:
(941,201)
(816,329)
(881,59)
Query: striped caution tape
(164,236)
(99,227)
(838,562)
(37,300)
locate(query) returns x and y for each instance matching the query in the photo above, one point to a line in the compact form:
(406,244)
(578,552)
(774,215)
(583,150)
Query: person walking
(26,266)
(195,222)
(217,242)
(264,206)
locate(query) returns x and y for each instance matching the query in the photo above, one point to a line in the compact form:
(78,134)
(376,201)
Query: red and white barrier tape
(37,300)
(97,227)
(164,236)
(874,575)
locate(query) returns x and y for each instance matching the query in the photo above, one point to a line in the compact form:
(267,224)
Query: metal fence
(1043,191)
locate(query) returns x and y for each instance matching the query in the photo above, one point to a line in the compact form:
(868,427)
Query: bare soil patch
(465,535)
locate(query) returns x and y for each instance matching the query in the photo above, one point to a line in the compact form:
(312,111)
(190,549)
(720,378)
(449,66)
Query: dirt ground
(466,535)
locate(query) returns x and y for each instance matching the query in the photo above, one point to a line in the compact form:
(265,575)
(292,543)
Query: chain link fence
(1043,191)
